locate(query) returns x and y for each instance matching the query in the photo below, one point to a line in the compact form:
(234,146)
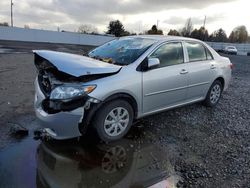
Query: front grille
(44,83)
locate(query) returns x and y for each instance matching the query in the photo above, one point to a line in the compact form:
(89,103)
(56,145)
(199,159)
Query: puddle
(18,164)
(86,163)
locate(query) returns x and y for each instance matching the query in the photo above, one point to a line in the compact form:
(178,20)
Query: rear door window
(196,51)
(209,55)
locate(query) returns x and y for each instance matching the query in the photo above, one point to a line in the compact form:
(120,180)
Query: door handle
(183,71)
(213,66)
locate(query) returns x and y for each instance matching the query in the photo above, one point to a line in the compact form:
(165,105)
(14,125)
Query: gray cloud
(129,7)
(175,20)
(98,12)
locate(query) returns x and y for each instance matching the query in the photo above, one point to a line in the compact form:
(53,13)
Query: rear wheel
(214,94)
(113,120)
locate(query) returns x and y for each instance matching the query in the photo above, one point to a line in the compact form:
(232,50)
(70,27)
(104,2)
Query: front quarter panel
(128,81)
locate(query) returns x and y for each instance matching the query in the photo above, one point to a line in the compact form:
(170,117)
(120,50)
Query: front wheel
(214,94)
(113,120)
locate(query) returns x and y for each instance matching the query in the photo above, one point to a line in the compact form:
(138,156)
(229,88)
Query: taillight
(231,65)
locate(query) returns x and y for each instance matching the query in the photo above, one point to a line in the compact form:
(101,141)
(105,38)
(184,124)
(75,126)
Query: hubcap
(215,94)
(116,121)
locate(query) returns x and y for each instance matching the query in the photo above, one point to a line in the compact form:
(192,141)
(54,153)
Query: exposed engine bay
(49,77)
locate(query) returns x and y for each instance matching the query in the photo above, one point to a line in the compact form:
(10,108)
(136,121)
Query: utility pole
(157,24)
(11,13)
(204,25)
(205,20)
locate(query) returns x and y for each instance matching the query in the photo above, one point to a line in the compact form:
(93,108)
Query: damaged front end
(62,102)
(49,79)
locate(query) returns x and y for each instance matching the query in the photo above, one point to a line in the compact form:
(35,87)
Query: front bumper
(61,125)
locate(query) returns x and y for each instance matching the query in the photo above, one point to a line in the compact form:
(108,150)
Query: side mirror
(153,62)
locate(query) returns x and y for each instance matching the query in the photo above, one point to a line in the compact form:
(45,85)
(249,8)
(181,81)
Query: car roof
(162,38)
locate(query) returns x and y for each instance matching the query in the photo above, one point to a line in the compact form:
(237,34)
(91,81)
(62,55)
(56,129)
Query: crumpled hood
(76,65)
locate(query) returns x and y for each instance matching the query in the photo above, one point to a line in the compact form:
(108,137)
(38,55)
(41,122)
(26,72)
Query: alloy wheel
(215,93)
(116,121)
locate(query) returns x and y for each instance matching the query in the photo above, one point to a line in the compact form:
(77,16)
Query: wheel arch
(125,96)
(90,113)
(222,80)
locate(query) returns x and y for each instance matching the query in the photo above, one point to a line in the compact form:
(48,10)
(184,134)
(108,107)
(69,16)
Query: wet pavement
(87,162)
(18,165)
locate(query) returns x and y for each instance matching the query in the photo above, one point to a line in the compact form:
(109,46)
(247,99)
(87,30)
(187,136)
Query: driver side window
(169,54)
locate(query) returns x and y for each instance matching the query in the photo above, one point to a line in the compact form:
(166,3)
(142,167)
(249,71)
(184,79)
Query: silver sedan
(123,80)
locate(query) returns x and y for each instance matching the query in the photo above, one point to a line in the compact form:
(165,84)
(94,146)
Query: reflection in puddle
(87,164)
(130,162)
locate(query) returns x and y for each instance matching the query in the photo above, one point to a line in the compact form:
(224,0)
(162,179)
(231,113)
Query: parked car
(124,80)
(231,50)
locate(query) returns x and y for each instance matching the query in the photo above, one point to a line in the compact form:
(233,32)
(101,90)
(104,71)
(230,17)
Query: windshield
(122,51)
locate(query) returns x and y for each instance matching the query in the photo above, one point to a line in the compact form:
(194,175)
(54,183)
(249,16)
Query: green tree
(195,34)
(173,32)
(218,36)
(154,31)
(116,28)
(201,34)
(6,24)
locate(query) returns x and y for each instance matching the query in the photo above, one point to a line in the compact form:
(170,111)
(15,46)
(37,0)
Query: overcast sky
(136,15)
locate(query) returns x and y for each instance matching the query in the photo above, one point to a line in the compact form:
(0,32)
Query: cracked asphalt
(192,146)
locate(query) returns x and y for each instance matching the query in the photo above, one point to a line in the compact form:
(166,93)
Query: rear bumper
(61,125)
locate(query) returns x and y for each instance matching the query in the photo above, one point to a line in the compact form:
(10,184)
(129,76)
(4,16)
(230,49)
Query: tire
(120,126)
(214,94)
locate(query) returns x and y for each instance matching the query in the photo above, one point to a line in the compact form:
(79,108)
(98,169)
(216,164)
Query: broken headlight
(71,91)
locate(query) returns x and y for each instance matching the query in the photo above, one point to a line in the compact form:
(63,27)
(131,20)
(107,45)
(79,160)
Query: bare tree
(188,28)
(241,34)
(87,29)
